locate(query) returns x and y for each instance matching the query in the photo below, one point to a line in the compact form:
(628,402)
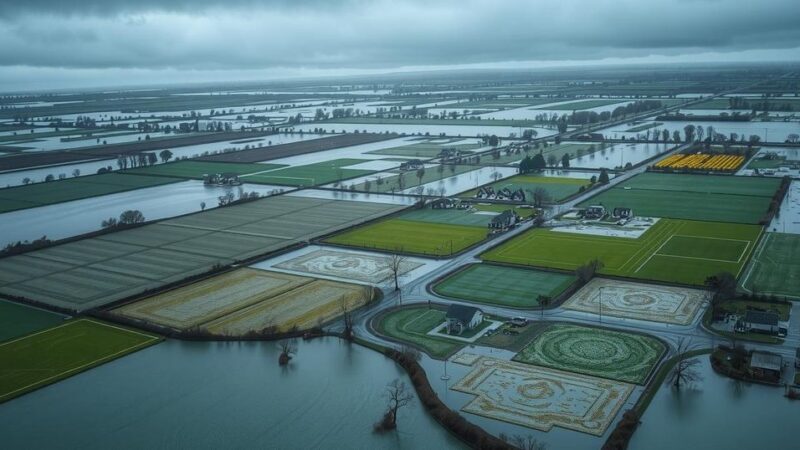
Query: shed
(766,365)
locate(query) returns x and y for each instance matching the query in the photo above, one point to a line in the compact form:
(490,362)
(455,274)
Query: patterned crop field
(594,351)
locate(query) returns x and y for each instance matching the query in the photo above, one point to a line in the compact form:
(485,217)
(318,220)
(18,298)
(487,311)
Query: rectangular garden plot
(540,398)
(594,351)
(361,267)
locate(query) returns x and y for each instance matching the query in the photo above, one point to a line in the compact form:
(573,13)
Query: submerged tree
(399,395)
(685,370)
(288,350)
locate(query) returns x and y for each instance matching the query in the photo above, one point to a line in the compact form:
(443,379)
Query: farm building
(413,164)
(622,213)
(222,179)
(485,192)
(503,221)
(444,203)
(766,366)
(460,318)
(448,153)
(594,212)
(759,322)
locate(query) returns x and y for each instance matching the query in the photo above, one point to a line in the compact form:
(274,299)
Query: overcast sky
(82,42)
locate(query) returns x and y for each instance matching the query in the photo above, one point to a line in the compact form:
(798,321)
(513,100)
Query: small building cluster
(412,164)
(504,221)
(488,193)
(450,153)
(222,179)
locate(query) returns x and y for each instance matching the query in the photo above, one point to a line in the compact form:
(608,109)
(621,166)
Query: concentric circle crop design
(594,351)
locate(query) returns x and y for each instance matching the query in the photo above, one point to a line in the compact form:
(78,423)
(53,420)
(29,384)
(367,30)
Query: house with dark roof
(504,221)
(594,212)
(444,203)
(622,213)
(222,179)
(460,318)
(759,322)
(766,366)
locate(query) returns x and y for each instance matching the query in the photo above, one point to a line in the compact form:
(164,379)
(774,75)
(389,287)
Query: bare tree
(288,349)
(540,197)
(685,370)
(399,395)
(395,264)
(348,318)
(527,443)
(544,302)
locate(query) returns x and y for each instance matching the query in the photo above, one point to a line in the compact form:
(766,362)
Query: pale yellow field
(212,298)
(304,307)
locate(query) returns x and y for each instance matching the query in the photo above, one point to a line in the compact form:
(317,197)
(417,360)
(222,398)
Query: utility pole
(600,303)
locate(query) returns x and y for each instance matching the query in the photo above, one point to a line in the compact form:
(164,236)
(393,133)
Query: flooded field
(427,130)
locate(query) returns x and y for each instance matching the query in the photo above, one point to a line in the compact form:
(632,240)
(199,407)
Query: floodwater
(63,220)
(463,182)
(718,413)
(767,131)
(393,199)
(619,155)
(788,220)
(433,130)
(223,395)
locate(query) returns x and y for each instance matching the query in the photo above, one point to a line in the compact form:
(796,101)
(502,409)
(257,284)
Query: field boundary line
(697,258)
(653,254)
(757,250)
(714,238)
(668,228)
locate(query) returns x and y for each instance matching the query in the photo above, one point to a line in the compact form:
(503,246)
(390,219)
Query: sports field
(679,251)
(40,194)
(310,174)
(557,187)
(18,320)
(412,325)
(411,237)
(693,197)
(449,216)
(245,300)
(594,351)
(48,356)
(196,169)
(499,285)
(775,268)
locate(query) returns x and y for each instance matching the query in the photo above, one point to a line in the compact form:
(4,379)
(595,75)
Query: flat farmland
(196,169)
(18,320)
(423,150)
(411,237)
(40,194)
(501,285)
(93,272)
(246,300)
(679,251)
(775,269)
(693,197)
(298,148)
(311,174)
(583,104)
(42,358)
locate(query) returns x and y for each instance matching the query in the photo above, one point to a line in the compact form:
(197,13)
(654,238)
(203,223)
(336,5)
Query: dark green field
(506,286)
(40,194)
(196,169)
(448,216)
(693,197)
(310,174)
(412,325)
(43,358)
(18,320)
(775,268)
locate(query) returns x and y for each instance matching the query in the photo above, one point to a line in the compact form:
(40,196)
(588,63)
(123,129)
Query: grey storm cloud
(250,34)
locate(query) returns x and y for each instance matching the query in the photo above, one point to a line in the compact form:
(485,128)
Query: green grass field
(449,216)
(196,169)
(42,358)
(411,237)
(40,194)
(775,268)
(594,351)
(412,325)
(693,197)
(311,174)
(583,104)
(18,320)
(422,150)
(506,286)
(680,251)
(557,187)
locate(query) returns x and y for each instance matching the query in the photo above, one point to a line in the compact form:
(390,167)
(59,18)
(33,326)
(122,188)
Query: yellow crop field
(702,161)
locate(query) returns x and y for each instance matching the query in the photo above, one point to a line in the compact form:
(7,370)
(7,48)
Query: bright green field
(680,251)
(412,325)
(18,320)
(311,174)
(775,268)
(40,194)
(693,197)
(448,216)
(499,285)
(594,351)
(411,237)
(585,104)
(557,187)
(196,169)
(43,358)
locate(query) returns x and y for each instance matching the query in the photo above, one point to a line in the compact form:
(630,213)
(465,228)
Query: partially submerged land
(541,260)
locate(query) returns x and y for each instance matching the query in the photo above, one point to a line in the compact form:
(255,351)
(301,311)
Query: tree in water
(685,370)
(288,350)
(399,395)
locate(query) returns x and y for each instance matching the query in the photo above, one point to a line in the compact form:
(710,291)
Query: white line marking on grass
(653,254)
(79,368)
(695,257)
(713,238)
